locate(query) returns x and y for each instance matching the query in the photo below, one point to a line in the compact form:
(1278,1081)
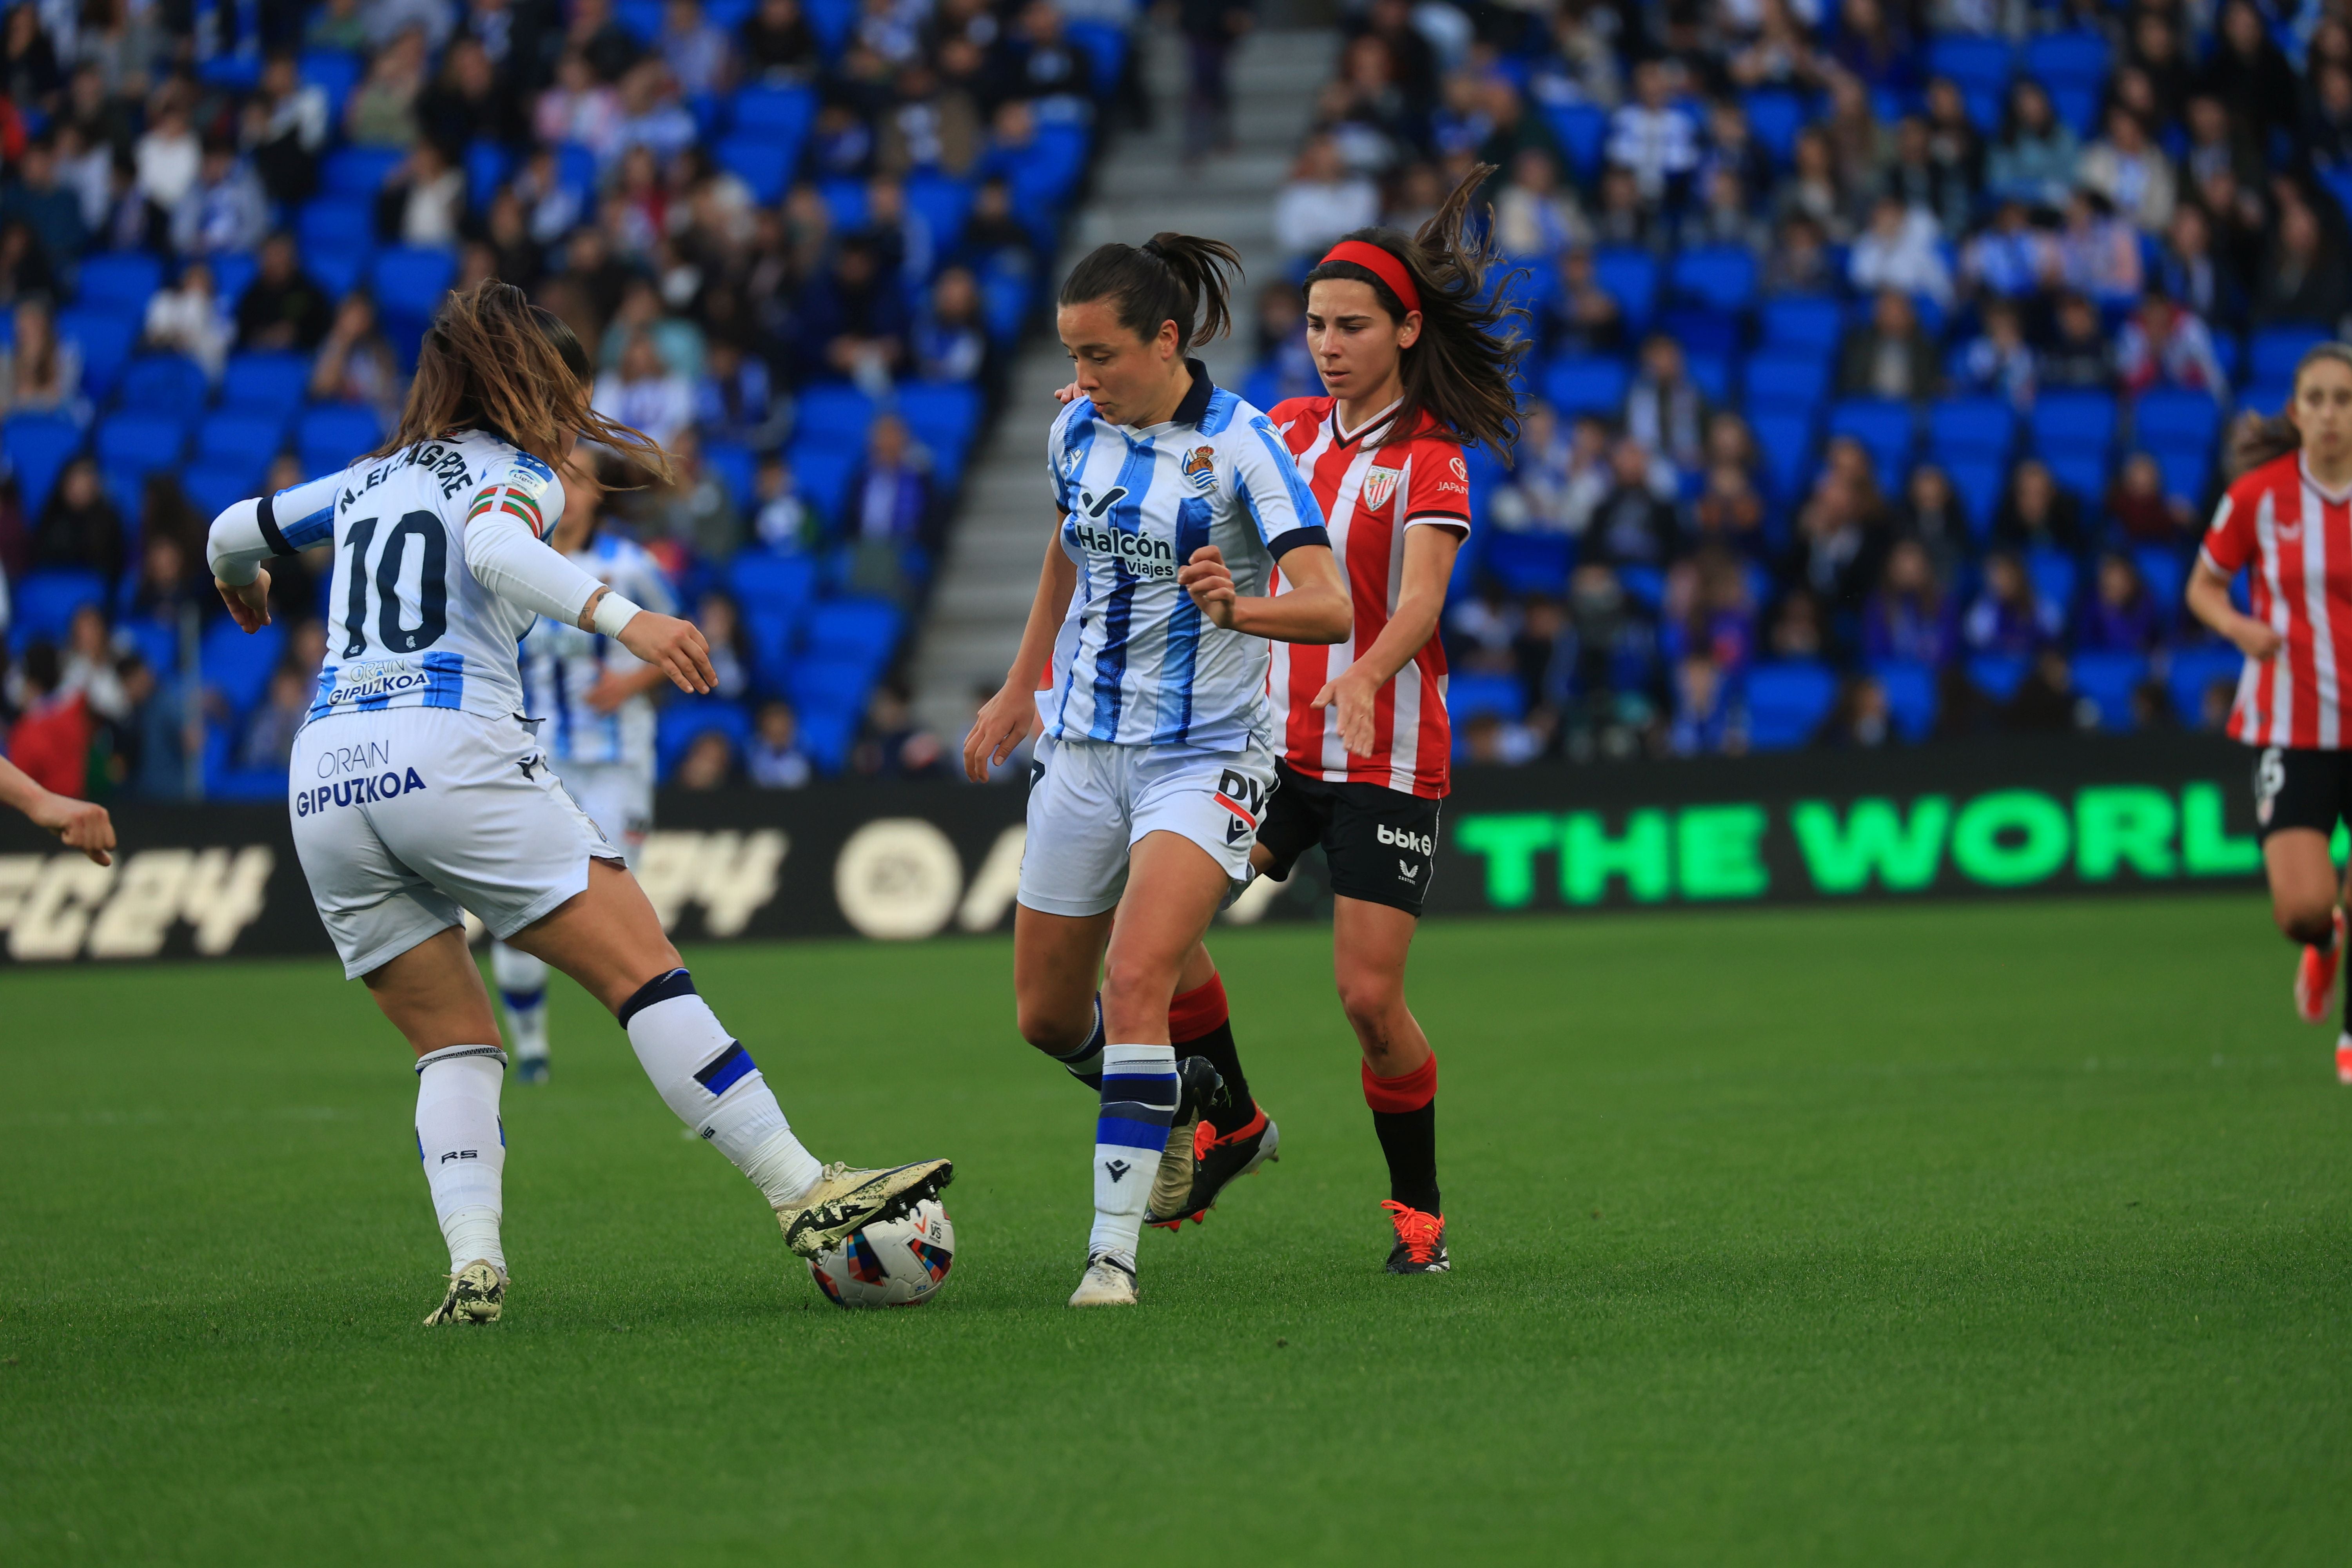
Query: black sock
(1409,1137)
(1218,1046)
(1084,1064)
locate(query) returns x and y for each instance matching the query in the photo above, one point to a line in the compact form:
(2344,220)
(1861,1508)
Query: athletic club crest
(1379,485)
(1201,467)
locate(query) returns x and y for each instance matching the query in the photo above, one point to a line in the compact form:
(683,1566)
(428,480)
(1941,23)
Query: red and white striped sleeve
(1437,491)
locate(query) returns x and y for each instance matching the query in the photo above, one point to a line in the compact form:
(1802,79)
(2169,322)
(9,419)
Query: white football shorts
(618,798)
(405,816)
(1090,802)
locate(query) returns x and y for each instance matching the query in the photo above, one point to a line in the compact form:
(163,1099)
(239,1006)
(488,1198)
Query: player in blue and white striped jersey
(419,793)
(1145,661)
(593,700)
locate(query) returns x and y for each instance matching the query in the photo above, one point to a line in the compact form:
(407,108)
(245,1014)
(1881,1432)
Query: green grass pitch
(2002,1234)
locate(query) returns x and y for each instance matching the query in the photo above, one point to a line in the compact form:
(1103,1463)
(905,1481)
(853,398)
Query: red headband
(1381,265)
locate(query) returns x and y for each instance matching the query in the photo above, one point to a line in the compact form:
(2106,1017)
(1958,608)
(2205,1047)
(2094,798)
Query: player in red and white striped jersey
(1417,363)
(2287,520)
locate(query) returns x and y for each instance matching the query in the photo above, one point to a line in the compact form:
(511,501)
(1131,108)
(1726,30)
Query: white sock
(710,1079)
(522,986)
(464,1148)
(1138,1102)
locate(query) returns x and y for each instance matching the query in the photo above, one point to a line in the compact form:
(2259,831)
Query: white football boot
(1107,1283)
(846,1200)
(477,1294)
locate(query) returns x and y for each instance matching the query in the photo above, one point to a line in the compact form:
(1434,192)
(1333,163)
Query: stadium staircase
(1141,186)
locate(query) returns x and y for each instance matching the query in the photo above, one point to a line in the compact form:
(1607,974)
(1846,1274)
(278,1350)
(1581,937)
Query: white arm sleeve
(234,546)
(511,562)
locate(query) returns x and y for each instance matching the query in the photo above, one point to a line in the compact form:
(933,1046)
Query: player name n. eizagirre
(442,564)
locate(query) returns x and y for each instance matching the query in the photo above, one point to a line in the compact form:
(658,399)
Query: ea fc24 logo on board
(1201,467)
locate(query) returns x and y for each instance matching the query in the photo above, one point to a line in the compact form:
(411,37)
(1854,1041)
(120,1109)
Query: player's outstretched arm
(1429,551)
(670,645)
(82,823)
(1315,608)
(2209,601)
(1005,719)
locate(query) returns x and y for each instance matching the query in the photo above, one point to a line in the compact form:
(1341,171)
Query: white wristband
(613,613)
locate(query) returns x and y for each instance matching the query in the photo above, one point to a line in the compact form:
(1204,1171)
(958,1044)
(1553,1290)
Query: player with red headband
(1417,361)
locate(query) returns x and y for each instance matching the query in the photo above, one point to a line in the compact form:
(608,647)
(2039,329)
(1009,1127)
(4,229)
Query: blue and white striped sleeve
(286,523)
(1268,485)
(1056,434)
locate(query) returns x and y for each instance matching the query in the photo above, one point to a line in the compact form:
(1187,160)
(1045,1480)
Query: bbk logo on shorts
(1406,839)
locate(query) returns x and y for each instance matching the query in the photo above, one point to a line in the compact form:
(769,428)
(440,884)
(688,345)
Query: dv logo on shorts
(1235,789)
(1406,839)
(365,789)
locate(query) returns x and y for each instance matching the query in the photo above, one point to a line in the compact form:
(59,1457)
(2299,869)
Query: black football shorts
(2297,786)
(1381,842)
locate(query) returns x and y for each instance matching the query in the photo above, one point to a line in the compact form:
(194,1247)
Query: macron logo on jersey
(1144,557)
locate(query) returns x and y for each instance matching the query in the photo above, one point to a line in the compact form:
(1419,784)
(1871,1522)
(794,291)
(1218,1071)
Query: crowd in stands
(800,236)
(1883,352)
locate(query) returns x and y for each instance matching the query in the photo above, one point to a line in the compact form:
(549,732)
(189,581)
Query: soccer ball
(892,1263)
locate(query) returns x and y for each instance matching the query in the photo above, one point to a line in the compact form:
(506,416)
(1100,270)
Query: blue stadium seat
(1971,61)
(830,686)
(825,736)
(2166,576)
(772,634)
(2084,473)
(1778,377)
(733,464)
(1529,563)
(39,445)
(1630,275)
(237,666)
(126,487)
(2074,421)
(943,415)
(233,273)
(2268,397)
(835,412)
(2108,680)
(1961,427)
(1787,702)
(1978,481)
(141,443)
(44,603)
(243,441)
(944,203)
(845,198)
(2056,576)
(119,281)
(151,640)
(488,165)
(1582,129)
(855,629)
(1885,428)
(335,225)
(1576,387)
(2076,59)
(336,73)
(2193,671)
(1106,46)
(212,487)
(329,435)
(1466,696)
(1997,675)
(361,171)
(1720,276)
(1786,440)
(265,383)
(822,469)
(1711,373)
(775,114)
(642,18)
(684,717)
(2187,473)
(412,279)
(785,584)
(1911,695)
(165,383)
(2272,352)
(1774,116)
(830,21)
(2173,418)
(1810,323)
(105,339)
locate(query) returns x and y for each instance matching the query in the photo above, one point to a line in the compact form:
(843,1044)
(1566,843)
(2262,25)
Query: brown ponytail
(1170,276)
(493,360)
(1459,372)
(2268,437)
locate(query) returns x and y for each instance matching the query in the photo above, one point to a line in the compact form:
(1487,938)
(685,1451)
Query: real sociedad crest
(1379,485)
(1201,467)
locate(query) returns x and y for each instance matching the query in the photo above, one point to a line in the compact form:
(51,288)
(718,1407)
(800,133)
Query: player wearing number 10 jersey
(1416,366)
(418,790)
